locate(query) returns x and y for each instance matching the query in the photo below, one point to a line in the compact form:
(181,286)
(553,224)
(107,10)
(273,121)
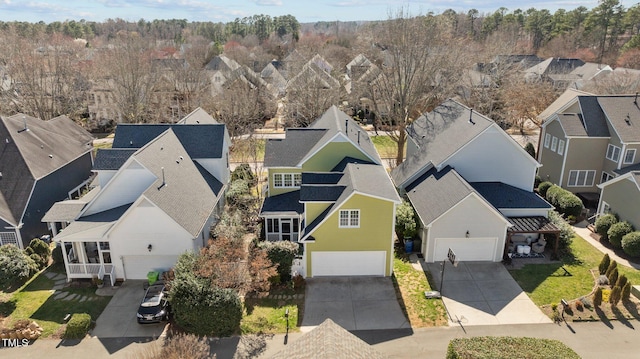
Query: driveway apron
(118,320)
(354,303)
(484,293)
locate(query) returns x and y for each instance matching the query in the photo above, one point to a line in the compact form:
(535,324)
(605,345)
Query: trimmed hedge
(603,223)
(78,326)
(507,347)
(543,188)
(203,310)
(617,231)
(565,202)
(282,254)
(631,244)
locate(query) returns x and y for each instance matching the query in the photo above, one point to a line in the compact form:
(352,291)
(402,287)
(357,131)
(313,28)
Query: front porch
(88,260)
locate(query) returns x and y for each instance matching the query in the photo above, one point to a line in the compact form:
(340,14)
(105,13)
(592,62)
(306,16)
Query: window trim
(351,215)
(547,140)
(287,180)
(613,157)
(577,177)
(602,178)
(561,145)
(626,153)
(554,143)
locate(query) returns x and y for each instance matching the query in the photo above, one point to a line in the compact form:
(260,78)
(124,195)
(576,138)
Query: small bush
(506,347)
(631,244)
(613,265)
(566,231)
(543,187)
(530,149)
(281,254)
(56,255)
(626,292)
(553,194)
(604,263)
(616,295)
(617,231)
(622,280)
(42,249)
(298,282)
(597,297)
(78,326)
(603,223)
(579,306)
(244,172)
(569,204)
(15,266)
(613,276)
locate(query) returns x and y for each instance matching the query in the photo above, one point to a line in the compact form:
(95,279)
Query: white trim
(628,175)
(340,133)
(609,177)
(624,159)
(564,163)
(561,145)
(547,140)
(586,176)
(352,215)
(554,143)
(613,154)
(292,177)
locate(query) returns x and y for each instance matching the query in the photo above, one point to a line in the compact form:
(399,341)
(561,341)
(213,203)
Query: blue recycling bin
(408,245)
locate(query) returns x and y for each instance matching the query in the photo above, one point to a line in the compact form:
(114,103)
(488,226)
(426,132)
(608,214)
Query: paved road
(590,340)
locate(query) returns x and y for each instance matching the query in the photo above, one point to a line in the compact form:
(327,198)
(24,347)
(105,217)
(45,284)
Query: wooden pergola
(536,224)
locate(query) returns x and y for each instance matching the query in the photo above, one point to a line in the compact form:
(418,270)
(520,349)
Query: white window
(582,178)
(349,218)
(547,139)
(629,156)
(8,238)
(561,147)
(287,180)
(554,143)
(605,177)
(613,153)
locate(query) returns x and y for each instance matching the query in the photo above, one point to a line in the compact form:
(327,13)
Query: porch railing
(84,270)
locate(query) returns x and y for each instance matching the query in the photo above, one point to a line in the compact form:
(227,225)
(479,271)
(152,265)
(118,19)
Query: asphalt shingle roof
(623,113)
(288,152)
(594,119)
(321,178)
(502,195)
(286,203)
(112,158)
(317,193)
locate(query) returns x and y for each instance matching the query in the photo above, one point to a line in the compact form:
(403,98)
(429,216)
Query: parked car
(154,307)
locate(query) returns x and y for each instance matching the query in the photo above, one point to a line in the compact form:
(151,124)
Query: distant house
(564,73)
(329,192)
(41,162)
(471,185)
(159,191)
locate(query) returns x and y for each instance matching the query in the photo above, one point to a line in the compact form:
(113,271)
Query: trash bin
(408,245)
(153,277)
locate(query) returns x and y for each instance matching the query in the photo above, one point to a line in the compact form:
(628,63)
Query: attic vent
(471,119)
(627,120)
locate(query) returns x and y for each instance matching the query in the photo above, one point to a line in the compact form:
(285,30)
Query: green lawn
(267,315)
(411,285)
(547,283)
(385,146)
(247,150)
(34,301)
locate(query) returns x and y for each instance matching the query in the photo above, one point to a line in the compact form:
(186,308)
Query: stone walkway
(584,232)
(59,286)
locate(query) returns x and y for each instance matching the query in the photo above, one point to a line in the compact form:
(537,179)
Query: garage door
(467,249)
(348,263)
(137,267)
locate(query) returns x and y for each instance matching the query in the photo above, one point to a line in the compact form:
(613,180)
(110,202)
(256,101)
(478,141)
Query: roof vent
(25,128)
(627,120)
(164,182)
(470,115)
(50,156)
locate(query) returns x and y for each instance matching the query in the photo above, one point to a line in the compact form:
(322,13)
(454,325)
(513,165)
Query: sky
(228,10)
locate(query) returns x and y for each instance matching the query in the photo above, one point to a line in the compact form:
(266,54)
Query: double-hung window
(287,180)
(554,143)
(561,147)
(629,156)
(613,153)
(547,139)
(349,218)
(581,178)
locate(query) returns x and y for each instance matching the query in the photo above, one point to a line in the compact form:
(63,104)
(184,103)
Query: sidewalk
(584,232)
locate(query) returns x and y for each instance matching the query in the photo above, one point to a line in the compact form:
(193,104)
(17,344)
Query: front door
(285,229)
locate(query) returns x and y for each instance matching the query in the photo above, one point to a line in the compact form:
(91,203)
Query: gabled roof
(594,119)
(300,143)
(623,113)
(328,341)
(112,158)
(569,95)
(198,116)
(502,195)
(435,192)
(438,135)
(200,140)
(222,63)
(283,204)
(93,226)
(554,66)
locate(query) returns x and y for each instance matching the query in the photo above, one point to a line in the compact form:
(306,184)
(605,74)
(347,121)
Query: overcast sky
(228,10)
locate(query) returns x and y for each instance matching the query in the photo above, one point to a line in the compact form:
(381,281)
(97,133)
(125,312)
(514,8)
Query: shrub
(244,172)
(604,263)
(626,291)
(631,244)
(41,248)
(78,326)
(56,254)
(617,231)
(566,231)
(553,194)
(298,281)
(613,276)
(597,297)
(202,309)
(406,224)
(579,306)
(15,265)
(612,266)
(505,347)
(281,254)
(569,204)
(622,280)
(616,295)
(543,187)
(39,261)
(603,223)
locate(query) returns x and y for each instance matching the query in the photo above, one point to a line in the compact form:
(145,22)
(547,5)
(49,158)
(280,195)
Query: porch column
(65,257)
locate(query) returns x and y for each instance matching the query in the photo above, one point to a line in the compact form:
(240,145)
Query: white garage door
(348,263)
(137,267)
(467,249)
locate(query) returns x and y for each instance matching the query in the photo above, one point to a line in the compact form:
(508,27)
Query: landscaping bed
(508,347)
(410,286)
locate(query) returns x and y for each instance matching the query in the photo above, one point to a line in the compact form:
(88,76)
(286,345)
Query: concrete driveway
(354,303)
(118,320)
(484,293)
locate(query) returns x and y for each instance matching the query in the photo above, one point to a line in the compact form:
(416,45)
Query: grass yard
(35,301)
(411,285)
(547,283)
(385,146)
(267,315)
(247,150)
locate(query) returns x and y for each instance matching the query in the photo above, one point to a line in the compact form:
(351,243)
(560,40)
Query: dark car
(154,307)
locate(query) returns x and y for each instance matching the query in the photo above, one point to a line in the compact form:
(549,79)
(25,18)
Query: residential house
(328,191)
(621,196)
(471,185)
(41,162)
(555,70)
(589,140)
(159,191)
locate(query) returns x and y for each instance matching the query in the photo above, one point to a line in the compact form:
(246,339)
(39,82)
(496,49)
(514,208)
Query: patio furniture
(526,250)
(539,246)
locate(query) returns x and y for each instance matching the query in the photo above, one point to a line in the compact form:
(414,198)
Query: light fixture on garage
(149,247)
(467,234)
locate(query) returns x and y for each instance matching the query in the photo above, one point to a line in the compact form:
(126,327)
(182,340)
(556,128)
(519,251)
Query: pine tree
(604,264)
(616,294)
(597,297)
(626,291)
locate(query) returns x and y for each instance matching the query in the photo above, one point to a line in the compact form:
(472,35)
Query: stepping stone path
(60,295)
(72,296)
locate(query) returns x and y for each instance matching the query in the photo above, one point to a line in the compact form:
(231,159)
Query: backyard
(547,284)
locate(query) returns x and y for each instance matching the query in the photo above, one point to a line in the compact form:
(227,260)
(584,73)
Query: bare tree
(618,82)
(421,65)
(524,100)
(309,94)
